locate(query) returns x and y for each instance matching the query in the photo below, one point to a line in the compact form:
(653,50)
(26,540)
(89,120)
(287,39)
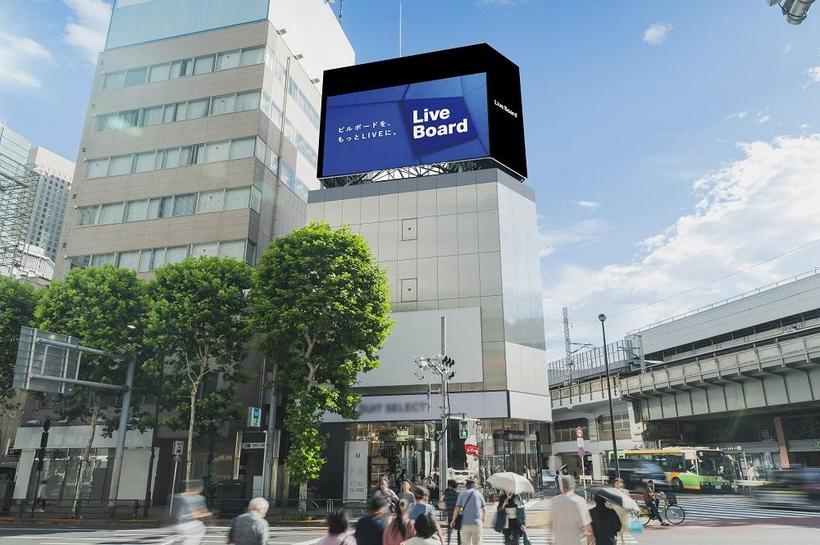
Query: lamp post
(602,317)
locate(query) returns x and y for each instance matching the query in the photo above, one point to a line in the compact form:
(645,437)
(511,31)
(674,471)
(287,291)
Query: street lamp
(602,317)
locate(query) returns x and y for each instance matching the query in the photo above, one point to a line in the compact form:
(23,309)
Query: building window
(159,72)
(242,148)
(210,201)
(111,213)
(216,151)
(128,260)
(184,205)
(204,249)
(247,101)
(234,248)
(176,254)
(254,55)
(622,427)
(120,165)
(236,198)
(87,215)
(227,60)
(203,65)
(144,161)
(114,80)
(136,76)
(137,210)
(181,68)
(197,108)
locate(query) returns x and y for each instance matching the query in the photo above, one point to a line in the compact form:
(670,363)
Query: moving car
(797,488)
(635,473)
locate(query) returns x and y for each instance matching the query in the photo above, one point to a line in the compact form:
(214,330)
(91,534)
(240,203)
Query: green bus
(688,468)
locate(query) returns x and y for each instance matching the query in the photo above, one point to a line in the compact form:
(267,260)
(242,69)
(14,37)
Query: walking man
(42,495)
(188,510)
(450,499)
(569,515)
(250,528)
(471,506)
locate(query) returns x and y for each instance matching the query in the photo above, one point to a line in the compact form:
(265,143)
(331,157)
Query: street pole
(442,476)
(150,480)
(124,415)
(602,317)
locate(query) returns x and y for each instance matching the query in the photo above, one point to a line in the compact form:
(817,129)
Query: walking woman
(605,522)
(401,528)
(620,486)
(516,525)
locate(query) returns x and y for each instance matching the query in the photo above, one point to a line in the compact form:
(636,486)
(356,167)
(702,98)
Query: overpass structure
(743,374)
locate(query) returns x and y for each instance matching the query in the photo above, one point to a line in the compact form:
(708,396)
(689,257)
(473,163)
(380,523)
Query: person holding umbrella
(605,522)
(516,525)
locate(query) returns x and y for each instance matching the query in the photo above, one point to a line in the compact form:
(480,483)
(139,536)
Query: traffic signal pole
(445,414)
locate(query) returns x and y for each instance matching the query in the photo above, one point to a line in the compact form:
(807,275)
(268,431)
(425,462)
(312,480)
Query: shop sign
(512,435)
(470,450)
(253,445)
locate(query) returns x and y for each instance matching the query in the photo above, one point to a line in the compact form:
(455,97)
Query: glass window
(216,151)
(144,161)
(114,80)
(159,72)
(174,112)
(233,248)
(96,168)
(128,260)
(203,65)
(159,207)
(101,123)
(129,119)
(137,210)
(204,249)
(252,56)
(250,253)
(151,259)
(210,201)
(181,68)
(102,259)
(152,116)
(197,108)
(242,148)
(120,165)
(184,205)
(79,261)
(256,199)
(136,76)
(176,254)
(223,104)
(186,155)
(171,158)
(286,174)
(228,59)
(86,215)
(247,101)
(111,213)
(236,198)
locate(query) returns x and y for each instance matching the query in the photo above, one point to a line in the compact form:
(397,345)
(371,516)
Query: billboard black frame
(507,145)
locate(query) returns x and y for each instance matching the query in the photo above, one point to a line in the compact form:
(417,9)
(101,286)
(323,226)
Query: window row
(304,104)
(153,258)
(184,67)
(171,158)
(178,111)
(171,206)
(301,143)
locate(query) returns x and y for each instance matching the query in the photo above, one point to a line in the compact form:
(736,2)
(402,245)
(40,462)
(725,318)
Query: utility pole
(568,349)
(602,317)
(125,411)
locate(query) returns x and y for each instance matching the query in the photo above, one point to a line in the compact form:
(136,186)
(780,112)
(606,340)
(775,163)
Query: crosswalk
(722,508)
(538,536)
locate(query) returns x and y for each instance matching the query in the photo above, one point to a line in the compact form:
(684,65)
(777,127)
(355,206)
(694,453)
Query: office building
(50,200)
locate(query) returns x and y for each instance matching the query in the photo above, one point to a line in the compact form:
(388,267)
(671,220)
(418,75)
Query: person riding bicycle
(651,498)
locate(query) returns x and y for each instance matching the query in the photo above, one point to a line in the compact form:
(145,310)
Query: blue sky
(670,143)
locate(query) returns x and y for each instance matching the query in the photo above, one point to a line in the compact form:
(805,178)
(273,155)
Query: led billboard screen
(453,105)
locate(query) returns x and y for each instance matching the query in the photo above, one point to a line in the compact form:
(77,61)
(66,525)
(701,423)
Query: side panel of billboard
(453,105)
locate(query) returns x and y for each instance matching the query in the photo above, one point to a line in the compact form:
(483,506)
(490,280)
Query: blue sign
(406,125)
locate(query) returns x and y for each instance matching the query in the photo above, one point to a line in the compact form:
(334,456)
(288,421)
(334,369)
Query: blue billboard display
(412,124)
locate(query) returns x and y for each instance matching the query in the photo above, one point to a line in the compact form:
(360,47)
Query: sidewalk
(537,511)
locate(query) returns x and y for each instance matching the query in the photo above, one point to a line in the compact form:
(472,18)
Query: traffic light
(463,432)
(448,361)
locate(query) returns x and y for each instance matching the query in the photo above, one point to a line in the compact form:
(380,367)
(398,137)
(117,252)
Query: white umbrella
(618,499)
(511,483)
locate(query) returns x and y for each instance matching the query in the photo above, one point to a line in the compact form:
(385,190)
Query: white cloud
(763,118)
(656,33)
(87,30)
(748,212)
(814,74)
(578,234)
(18,55)
(738,115)
(500,3)
(589,205)
(788,48)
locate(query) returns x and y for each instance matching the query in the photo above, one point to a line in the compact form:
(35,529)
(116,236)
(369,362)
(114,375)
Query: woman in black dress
(605,522)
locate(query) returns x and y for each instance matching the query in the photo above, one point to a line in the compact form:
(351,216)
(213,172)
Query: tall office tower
(55,173)
(201,132)
(17,187)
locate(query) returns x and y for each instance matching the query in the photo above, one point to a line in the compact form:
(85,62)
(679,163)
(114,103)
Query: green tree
(322,306)
(199,321)
(105,307)
(17,303)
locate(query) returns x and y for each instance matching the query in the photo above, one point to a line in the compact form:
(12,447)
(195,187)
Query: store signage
(453,105)
(470,450)
(250,445)
(254,417)
(512,435)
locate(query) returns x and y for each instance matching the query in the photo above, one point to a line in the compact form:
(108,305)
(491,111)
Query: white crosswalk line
(733,508)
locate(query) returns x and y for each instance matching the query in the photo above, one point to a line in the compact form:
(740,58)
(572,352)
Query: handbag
(459,517)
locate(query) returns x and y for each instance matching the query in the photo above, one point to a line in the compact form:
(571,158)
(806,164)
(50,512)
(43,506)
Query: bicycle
(671,511)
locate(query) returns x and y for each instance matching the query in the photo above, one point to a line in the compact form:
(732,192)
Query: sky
(674,147)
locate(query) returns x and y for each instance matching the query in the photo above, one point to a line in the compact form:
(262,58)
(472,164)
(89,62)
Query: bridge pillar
(781,442)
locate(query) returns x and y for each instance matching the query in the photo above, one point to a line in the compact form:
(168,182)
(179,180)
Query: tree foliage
(321,304)
(17,303)
(198,324)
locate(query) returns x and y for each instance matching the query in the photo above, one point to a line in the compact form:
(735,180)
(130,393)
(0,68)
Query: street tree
(322,307)
(17,303)
(198,322)
(105,307)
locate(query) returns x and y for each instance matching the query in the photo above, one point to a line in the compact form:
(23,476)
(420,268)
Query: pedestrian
(401,528)
(251,528)
(471,508)
(569,516)
(405,493)
(370,528)
(384,491)
(620,486)
(605,522)
(422,504)
(450,499)
(516,522)
(557,482)
(337,530)
(427,531)
(500,515)
(651,498)
(188,511)
(42,496)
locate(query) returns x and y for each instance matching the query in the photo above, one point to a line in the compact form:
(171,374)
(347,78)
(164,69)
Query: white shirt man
(569,515)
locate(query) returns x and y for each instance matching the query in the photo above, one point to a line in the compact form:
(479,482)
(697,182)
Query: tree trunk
(210,463)
(191,419)
(86,453)
(303,496)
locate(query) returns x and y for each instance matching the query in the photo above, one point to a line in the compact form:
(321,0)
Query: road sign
(254,417)
(581,452)
(178,448)
(579,432)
